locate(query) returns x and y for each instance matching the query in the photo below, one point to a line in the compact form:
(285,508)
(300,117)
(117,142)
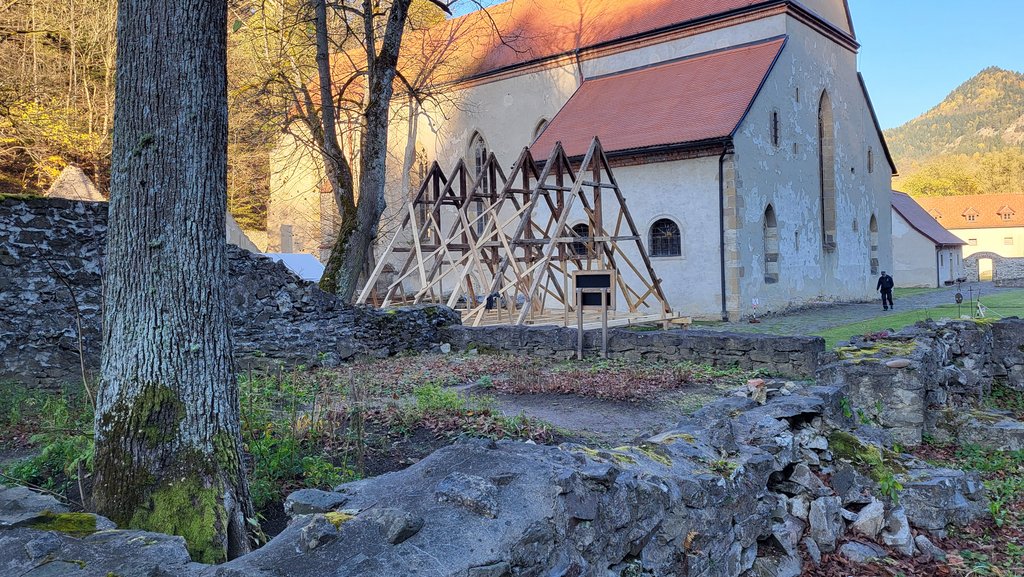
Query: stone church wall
(784,173)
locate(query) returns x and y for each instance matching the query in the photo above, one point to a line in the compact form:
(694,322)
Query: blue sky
(914,52)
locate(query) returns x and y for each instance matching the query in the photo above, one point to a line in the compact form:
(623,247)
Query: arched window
(873,227)
(477,161)
(827,170)
(540,128)
(771,246)
(665,239)
(579,247)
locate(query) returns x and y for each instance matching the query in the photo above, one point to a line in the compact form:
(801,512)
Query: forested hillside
(971,143)
(57,98)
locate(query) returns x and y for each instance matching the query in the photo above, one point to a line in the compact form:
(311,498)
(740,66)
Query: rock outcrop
(737,487)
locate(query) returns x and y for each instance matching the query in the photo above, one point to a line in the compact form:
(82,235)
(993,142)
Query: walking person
(885,284)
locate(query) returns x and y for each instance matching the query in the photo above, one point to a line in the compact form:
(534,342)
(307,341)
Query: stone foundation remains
(796,357)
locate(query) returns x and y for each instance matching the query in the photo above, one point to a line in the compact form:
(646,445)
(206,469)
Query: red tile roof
(918,217)
(690,100)
(520,31)
(988,209)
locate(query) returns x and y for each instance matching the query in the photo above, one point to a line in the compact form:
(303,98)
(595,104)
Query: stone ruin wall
(1006,271)
(914,382)
(51,248)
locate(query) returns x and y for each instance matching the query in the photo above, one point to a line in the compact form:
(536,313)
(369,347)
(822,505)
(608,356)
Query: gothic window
(540,128)
(478,160)
(579,247)
(665,239)
(771,246)
(827,171)
(873,227)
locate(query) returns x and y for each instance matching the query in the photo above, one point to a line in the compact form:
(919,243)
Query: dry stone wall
(796,357)
(917,381)
(51,249)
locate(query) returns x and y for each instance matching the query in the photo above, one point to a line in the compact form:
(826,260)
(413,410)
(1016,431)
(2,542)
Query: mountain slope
(984,114)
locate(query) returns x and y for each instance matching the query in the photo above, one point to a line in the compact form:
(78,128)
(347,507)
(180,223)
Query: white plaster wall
(992,240)
(914,256)
(294,197)
(685,191)
(951,265)
(787,176)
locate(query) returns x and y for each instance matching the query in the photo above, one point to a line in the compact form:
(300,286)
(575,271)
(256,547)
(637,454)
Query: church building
(739,131)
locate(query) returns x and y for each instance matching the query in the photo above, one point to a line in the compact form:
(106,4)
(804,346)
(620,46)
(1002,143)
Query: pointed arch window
(770,230)
(827,171)
(477,162)
(873,226)
(539,129)
(665,239)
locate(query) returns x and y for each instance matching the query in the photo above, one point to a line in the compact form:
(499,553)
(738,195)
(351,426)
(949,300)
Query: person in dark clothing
(884,286)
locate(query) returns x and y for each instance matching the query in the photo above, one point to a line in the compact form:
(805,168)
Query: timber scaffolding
(509,256)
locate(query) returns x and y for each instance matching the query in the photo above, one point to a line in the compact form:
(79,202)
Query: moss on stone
(685,437)
(74,524)
(653,452)
(875,462)
(883,348)
(616,455)
(189,509)
(338,518)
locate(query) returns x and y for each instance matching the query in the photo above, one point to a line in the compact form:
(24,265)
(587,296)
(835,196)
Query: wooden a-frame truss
(501,249)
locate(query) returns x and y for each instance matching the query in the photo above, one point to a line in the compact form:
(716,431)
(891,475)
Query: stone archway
(1003,268)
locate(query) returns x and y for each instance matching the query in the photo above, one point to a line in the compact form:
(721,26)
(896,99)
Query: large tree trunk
(167,423)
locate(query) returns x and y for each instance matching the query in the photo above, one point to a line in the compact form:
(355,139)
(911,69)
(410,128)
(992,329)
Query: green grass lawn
(1001,305)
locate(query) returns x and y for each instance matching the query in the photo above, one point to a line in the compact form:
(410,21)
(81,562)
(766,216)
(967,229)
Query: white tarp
(303,264)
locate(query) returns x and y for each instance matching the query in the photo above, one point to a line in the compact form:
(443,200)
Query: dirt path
(602,422)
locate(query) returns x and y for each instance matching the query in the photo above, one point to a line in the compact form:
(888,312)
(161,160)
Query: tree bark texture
(168,444)
(354,243)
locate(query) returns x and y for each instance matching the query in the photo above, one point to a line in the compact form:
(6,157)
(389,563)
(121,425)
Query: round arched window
(665,239)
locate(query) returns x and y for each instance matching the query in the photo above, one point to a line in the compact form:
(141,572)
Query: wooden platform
(591,319)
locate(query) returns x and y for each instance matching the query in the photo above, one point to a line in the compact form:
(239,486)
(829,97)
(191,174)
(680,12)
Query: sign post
(594,289)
